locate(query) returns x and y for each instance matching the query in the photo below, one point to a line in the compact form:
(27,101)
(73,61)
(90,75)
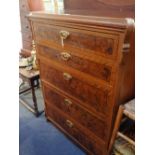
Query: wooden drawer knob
(65,56)
(67,76)
(69,123)
(67,102)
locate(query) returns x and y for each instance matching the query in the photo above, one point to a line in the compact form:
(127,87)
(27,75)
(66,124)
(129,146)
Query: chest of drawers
(87,69)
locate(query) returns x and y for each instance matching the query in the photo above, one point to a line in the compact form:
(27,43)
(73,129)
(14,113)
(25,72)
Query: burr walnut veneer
(87,69)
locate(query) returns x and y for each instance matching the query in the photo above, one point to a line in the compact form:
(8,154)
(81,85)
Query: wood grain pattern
(102,71)
(91,96)
(80,98)
(84,137)
(76,111)
(101,44)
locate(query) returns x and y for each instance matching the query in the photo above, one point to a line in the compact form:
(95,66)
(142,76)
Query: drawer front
(92,97)
(95,125)
(27,36)
(102,71)
(27,45)
(75,131)
(23,4)
(82,40)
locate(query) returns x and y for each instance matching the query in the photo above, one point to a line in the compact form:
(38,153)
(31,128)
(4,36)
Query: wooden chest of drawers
(87,69)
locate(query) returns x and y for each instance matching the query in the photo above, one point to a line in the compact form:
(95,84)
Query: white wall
(10,44)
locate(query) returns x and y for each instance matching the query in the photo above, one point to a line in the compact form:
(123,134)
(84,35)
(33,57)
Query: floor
(39,137)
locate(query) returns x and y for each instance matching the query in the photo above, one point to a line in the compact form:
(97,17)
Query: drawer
(92,97)
(23,4)
(80,40)
(26,27)
(27,36)
(77,112)
(75,131)
(100,70)
(27,45)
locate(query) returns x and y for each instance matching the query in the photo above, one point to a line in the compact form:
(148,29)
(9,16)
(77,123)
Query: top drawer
(102,44)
